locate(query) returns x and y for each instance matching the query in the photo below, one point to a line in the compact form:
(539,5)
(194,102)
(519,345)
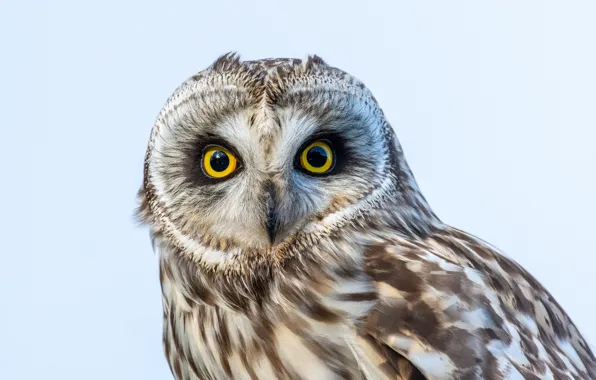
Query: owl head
(254,158)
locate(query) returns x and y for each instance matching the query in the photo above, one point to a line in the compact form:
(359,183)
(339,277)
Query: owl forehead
(267,106)
(271,135)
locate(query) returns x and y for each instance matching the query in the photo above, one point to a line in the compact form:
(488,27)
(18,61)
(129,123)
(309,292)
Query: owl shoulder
(455,307)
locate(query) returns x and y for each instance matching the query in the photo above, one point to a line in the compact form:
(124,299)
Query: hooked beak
(271,208)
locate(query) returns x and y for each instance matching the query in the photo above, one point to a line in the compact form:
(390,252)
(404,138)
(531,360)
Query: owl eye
(218,162)
(318,157)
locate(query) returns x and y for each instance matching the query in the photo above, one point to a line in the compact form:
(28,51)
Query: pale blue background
(494,105)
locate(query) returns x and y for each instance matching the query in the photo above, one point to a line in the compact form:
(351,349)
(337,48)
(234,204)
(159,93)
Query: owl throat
(216,323)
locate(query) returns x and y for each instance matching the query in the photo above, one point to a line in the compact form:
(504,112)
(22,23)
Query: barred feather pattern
(374,287)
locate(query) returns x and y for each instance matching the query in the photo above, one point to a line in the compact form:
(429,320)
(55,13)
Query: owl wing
(456,309)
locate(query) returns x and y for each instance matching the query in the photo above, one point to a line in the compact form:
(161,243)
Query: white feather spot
(388,291)
(514,351)
(449,301)
(474,276)
(571,353)
(477,318)
(529,323)
(432,364)
(401,343)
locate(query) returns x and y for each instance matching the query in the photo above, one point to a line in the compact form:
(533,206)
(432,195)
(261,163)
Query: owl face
(249,154)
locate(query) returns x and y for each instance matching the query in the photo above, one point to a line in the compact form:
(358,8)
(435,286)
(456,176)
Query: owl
(294,243)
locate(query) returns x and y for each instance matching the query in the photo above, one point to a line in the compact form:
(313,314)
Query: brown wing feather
(455,308)
(387,361)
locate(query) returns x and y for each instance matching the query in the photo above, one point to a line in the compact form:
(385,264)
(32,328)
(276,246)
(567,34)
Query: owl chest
(208,343)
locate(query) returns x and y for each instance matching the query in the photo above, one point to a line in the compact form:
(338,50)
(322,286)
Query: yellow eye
(317,158)
(218,162)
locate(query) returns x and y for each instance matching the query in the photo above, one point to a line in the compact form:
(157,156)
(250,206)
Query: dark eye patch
(194,154)
(316,157)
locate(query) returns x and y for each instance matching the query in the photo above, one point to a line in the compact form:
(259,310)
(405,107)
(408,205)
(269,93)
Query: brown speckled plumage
(363,282)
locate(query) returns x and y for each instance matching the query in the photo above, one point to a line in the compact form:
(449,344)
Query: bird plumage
(362,280)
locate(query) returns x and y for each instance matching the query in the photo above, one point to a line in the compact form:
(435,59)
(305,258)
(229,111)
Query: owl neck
(322,264)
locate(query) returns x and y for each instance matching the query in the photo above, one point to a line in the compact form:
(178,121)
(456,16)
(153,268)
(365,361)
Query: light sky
(494,105)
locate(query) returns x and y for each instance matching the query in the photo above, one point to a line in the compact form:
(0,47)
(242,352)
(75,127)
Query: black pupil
(219,161)
(317,156)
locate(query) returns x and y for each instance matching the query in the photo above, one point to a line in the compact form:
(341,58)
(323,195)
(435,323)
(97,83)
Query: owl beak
(271,224)
(271,206)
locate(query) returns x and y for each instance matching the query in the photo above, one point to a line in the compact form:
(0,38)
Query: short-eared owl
(294,243)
